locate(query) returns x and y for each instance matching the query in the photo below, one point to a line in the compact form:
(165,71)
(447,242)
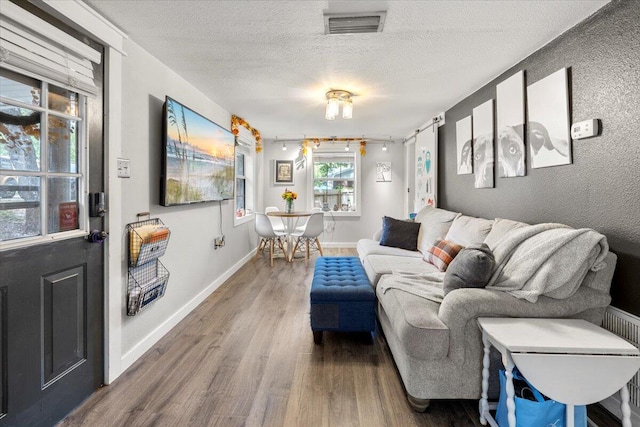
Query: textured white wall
(191,259)
(378,198)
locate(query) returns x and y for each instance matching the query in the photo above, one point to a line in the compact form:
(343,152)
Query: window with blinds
(35,48)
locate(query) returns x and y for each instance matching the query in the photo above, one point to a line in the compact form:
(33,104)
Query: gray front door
(51,288)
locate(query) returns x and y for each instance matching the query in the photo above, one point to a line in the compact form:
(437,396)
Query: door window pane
(8,181)
(63,204)
(20,217)
(20,88)
(63,100)
(20,137)
(63,145)
(30,158)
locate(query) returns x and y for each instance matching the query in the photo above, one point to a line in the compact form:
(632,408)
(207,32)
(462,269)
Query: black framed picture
(284,172)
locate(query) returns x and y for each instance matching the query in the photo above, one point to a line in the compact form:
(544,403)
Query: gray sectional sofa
(436,344)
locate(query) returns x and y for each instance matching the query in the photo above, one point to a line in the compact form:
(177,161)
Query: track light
(347,147)
(384,146)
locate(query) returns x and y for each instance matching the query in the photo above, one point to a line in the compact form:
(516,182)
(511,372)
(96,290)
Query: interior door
(52,291)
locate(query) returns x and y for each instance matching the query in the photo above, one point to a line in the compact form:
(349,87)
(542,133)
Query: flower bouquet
(289,196)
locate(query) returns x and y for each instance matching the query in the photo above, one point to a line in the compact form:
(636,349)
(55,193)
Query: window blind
(36,48)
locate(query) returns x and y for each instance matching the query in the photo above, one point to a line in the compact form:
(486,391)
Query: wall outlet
(219,242)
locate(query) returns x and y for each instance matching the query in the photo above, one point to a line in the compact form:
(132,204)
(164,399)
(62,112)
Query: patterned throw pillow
(442,253)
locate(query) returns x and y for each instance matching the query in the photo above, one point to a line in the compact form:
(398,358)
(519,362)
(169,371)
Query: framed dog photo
(548,125)
(463,146)
(284,172)
(483,145)
(510,112)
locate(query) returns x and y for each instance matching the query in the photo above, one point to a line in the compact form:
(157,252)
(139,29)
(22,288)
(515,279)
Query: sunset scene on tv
(199,158)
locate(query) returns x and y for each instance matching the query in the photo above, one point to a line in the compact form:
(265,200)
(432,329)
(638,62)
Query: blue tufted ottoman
(342,298)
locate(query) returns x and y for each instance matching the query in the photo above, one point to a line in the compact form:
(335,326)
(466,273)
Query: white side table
(569,360)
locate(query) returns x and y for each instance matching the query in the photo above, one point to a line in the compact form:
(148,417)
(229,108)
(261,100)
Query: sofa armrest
(462,306)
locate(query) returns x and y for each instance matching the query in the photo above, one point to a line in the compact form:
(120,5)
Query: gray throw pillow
(399,234)
(471,268)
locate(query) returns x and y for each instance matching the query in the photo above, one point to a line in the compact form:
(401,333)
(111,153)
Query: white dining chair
(309,236)
(276,222)
(306,219)
(269,236)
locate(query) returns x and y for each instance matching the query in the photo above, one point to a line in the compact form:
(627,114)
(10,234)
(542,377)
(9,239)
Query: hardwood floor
(246,357)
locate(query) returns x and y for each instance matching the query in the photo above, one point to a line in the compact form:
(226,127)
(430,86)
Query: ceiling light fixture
(334,99)
(347,147)
(384,146)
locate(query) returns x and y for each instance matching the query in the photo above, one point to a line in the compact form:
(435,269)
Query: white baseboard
(612,404)
(150,340)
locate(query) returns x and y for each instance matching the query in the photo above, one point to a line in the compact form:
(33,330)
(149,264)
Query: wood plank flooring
(246,357)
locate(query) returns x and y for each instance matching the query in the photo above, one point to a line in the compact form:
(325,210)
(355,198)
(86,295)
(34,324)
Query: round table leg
(624,406)
(511,404)
(569,414)
(484,401)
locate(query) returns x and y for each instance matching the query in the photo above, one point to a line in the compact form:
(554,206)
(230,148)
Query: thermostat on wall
(585,129)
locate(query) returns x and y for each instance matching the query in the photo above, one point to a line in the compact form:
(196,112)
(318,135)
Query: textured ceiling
(270,62)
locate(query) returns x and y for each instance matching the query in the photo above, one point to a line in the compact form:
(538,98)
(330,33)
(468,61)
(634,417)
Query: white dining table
(290,221)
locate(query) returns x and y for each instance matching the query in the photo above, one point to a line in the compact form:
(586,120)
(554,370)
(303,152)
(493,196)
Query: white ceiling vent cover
(354,23)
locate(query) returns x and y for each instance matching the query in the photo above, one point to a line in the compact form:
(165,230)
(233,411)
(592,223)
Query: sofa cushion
(471,268)
(442,253)
(377,265)
(500,228)
(467,230)
(434,224)
(366,247)
(415,322)
(399,234)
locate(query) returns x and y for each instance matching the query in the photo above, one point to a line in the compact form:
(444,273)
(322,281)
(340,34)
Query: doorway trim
(83,18)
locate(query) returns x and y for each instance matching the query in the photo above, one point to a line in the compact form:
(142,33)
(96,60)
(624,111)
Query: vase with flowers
(289,196)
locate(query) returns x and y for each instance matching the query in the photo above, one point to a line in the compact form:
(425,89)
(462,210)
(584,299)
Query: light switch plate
(123,168)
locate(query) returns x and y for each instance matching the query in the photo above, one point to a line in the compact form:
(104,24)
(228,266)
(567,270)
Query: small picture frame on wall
(383,172)
(284,172)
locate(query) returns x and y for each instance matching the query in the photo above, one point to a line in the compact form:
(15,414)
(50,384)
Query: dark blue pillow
(399,234)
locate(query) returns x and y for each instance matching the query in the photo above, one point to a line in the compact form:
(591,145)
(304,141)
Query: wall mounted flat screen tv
(198,160)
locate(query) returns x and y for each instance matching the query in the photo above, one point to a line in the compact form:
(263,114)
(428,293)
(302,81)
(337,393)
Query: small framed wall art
(383,172)
(284,172)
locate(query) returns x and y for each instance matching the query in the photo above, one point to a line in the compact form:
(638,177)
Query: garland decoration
(238,121)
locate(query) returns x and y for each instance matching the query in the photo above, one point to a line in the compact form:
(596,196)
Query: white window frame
(43,173)
(245,148)
(338,150)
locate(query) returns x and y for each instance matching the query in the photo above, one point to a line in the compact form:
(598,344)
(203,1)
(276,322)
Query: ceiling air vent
(354,23)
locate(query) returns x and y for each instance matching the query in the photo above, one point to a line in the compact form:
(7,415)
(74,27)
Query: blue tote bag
(532,409)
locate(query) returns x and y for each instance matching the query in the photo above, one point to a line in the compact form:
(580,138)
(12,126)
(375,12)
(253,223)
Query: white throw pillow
(434,224)
(467,230)
(500,229)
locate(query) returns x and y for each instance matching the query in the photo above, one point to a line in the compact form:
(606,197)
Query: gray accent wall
(601,188)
